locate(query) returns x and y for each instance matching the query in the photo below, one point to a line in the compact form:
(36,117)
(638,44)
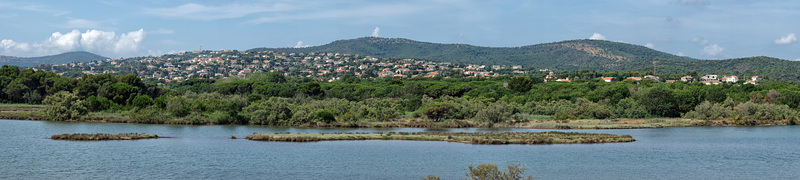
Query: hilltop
(571,55)
(575,53)
(63,58)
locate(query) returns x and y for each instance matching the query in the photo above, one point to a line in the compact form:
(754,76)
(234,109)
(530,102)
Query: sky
(704,29)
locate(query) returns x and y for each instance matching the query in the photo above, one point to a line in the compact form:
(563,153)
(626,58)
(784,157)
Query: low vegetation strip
(552,137)
(103,136)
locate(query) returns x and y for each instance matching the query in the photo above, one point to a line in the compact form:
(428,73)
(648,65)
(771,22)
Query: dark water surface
(207,152)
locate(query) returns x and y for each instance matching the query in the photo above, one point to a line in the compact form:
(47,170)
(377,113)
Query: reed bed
(103,136)
(552,137)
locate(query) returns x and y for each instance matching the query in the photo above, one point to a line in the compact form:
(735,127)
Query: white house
(708,77)
(730,79)
(686,78)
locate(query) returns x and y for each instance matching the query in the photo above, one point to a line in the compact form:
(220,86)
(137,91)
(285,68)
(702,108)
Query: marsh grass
(23,105)
(103,136)
(552,137)
(614,123)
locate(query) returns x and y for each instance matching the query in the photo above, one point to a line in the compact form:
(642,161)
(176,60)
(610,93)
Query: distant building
(637,79)
(730,79)
(687,78)
(752,80)
(708,77)
(654,78)
(609,79)
(711,82)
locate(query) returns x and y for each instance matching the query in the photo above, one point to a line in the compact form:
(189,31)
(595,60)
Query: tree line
(274,99)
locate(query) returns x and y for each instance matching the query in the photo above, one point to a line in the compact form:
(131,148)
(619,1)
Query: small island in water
(103,136)
(552,137)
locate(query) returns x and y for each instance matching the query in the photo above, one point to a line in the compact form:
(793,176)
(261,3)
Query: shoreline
(36,113)
(411,123)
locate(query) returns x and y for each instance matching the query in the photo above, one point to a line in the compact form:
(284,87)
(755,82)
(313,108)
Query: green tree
(142,101)
(64,105)
(10,71)
(520,83)
(311,88)
(273,111)
(15,90)
(326,116)
(276,77)
(659,101)
(496,112)
(437,111)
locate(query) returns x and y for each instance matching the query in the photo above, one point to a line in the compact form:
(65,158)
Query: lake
(208,152)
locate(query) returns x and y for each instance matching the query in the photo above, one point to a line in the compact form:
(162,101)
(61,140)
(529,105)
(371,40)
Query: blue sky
(705,29)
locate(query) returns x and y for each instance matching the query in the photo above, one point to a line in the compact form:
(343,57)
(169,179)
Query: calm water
(207,152)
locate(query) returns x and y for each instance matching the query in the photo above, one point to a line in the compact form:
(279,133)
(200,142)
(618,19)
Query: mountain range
(571,55)
(63,58)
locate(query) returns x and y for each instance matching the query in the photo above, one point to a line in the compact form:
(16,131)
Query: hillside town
(322,66)
(181,66)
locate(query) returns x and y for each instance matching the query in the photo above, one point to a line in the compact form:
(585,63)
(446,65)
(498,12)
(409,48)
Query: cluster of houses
(710,79)
(328,66)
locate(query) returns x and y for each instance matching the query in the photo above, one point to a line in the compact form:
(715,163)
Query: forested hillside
(63,58)
(594,55)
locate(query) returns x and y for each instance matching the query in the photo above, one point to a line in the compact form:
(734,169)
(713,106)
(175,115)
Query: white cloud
(681,54)
(129,42)
(649,45)
(63,42)
(713,49)
(96,40)
(376,31)
(102,42)
(203,12)
(597,36)
(7,43)
(81,24)
(300,45)
(789,38)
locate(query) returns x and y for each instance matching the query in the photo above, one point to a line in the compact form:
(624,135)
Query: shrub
(64,105)
(273,111)
(584,109)
(629,108)
(437,111)
(142,101)
(326,116)
(496,112)
(490,171)
(520,83)
(177,106)
(148,115)
(708,111)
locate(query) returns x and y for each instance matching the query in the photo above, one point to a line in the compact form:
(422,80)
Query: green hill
(63,58)
(596,55)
